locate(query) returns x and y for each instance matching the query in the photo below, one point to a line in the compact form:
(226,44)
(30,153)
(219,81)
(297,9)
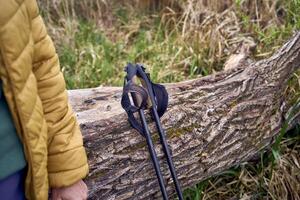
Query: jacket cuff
(67,178)
(65,169)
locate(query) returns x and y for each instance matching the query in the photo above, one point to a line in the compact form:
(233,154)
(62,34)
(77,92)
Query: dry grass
(205,32)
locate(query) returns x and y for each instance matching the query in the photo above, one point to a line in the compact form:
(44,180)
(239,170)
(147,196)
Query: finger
(81,189)
(83,192)
(84,188)
(85,196)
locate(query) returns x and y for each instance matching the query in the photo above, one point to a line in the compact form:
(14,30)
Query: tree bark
(212,124)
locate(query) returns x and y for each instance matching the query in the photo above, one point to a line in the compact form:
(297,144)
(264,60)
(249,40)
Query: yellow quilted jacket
(36,94)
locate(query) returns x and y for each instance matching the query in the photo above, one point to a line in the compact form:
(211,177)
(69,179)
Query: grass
(172,45)
(95,40)
(93,60)
(96,60)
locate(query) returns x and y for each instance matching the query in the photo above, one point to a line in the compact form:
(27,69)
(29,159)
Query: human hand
(77,191)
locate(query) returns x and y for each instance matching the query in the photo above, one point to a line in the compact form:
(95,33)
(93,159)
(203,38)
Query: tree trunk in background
(212,124)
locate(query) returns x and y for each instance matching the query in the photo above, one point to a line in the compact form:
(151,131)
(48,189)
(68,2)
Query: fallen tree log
(212,123)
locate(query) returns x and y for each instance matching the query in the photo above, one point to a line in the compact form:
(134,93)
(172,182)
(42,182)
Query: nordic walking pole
(153,155)
(154,97)
(138,99)
(167,153)
(161,132)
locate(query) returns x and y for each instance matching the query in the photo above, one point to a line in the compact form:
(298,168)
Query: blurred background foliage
(179,40)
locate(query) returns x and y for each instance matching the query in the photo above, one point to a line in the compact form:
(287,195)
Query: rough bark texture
(212,123)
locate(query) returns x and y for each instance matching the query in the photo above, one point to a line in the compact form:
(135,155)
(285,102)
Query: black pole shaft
(153,155)
(167,153)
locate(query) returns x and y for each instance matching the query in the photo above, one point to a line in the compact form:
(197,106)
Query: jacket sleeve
(67,161)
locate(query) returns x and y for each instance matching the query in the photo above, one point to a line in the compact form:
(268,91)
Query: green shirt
(11,149)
